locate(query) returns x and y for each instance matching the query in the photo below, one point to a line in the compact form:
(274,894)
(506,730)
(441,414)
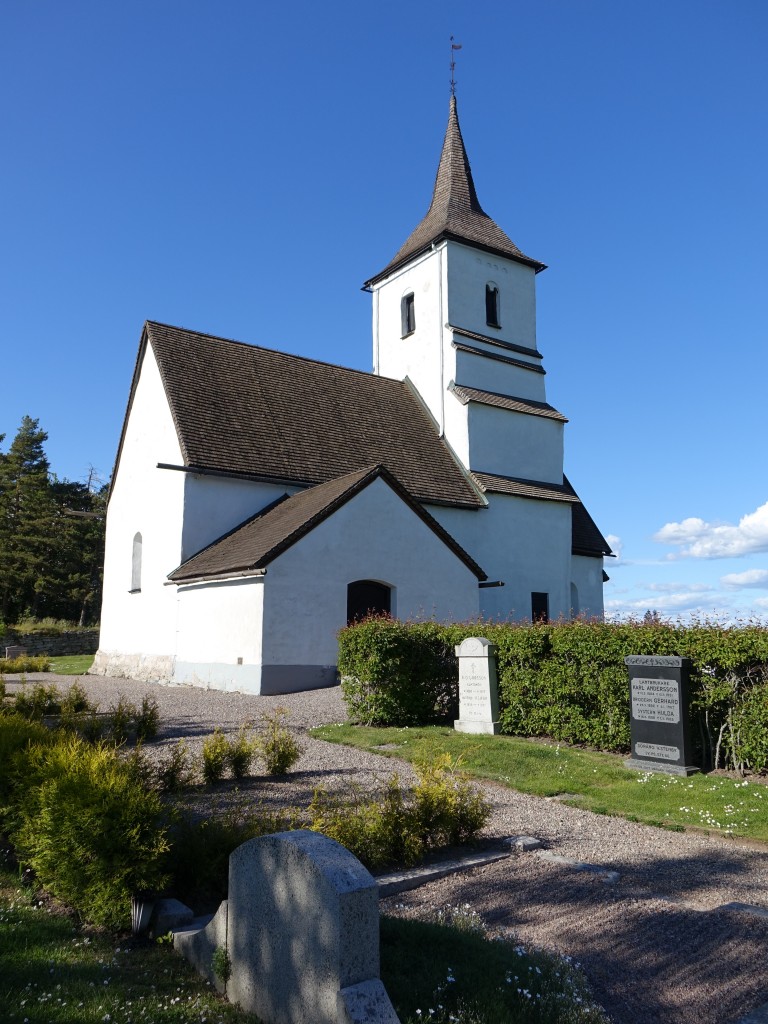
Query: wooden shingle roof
(525,405)
(242,410)
(251,546)
(455,210)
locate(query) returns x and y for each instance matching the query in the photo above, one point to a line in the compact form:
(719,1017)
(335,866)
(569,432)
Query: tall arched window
(492,305)
(136,564)
(368,597)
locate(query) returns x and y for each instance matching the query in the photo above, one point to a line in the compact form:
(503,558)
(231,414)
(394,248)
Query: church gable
(256,543)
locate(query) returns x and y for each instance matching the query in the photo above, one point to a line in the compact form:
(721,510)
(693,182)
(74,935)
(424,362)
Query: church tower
(454,313)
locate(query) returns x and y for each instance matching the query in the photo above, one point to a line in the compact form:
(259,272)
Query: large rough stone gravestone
(659,727)
(301,928)
(478,687)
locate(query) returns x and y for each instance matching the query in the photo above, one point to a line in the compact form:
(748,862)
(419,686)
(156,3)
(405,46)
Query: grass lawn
(51,970)
(72,664)
(441,974)
(598,782)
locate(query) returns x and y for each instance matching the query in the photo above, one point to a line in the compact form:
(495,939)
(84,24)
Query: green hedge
(567,681)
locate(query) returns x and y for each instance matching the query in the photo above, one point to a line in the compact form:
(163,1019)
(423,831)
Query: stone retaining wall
(80,641)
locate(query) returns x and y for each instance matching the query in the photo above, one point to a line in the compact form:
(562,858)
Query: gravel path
(654,944)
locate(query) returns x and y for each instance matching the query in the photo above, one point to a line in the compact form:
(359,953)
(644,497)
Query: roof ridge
(266,348)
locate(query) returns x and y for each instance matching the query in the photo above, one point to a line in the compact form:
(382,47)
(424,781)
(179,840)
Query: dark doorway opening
(539,607)
(367,597)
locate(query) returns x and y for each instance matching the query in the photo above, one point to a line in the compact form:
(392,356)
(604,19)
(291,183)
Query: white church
(260,501)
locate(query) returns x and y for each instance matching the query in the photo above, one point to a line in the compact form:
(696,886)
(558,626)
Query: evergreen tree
(26,519)
(51,535)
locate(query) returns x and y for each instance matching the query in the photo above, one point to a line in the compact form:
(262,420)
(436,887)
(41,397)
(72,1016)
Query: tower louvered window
(492,306)
(408,315)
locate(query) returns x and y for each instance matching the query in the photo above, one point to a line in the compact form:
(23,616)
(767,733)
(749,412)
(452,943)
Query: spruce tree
(26,519)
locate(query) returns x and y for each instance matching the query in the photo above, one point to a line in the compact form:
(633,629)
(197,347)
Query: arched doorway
(368,597)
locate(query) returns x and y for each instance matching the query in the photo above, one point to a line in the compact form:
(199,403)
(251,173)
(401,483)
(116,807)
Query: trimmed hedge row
(567,681)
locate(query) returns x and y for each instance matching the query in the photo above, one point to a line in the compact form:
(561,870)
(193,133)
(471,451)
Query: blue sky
(241,168)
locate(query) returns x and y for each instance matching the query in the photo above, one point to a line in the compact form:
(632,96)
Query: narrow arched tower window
(492,305)
(407,315)
(136,564)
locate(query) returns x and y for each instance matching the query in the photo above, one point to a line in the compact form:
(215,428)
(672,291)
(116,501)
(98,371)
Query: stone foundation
(148,668)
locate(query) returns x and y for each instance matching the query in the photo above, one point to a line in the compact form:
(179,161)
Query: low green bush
(277,746)
(147,721)
(26,663)
(17,733)
(443,809)
(215,756)
(174,771)
(397,673)
(241,752)
(88,825)
(38,702)
(198,861)
(567,681)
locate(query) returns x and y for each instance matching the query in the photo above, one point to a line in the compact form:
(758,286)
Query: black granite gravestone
(658,714)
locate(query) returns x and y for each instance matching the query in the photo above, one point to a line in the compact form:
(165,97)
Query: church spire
(455,210)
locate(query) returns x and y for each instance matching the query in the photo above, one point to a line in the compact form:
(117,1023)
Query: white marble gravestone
(478,687)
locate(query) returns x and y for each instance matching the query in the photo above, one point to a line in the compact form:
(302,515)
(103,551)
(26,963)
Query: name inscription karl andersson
(656,700)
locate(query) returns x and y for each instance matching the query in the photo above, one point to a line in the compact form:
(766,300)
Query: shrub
(278,747)
(38,702)
(402,827)
(215,756)
(91,829)
(199,857)
(397,673)
(241,752)
(120,720)
(174,771)
(564,680)
(26,663)
(147,720)
(16,734)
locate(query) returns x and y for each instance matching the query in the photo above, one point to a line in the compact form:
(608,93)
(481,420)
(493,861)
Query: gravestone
(478,687)
(301,929)
(659,725)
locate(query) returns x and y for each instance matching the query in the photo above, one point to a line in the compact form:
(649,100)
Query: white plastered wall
(491,374)
(587,578)
(419,356)
(138,629)
(215,505)
(469,270)
(374,536)
(219,634)
(522,541)
(515,444)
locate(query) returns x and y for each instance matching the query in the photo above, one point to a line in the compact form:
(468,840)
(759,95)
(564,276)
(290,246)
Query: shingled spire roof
(455,210)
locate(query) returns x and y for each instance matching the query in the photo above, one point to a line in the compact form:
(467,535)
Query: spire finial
(454,48)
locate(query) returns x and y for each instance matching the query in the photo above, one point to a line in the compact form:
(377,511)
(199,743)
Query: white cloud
(616,546)
(675,602)
(697,539)
(750,578)
(680,588)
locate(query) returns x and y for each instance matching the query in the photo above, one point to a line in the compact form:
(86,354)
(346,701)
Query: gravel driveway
(658,944)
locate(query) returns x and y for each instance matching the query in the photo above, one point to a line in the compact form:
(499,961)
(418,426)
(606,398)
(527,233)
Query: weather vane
(454,48)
